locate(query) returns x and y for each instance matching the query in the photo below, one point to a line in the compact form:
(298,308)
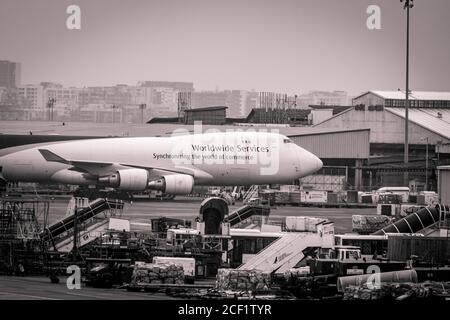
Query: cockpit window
(287,141)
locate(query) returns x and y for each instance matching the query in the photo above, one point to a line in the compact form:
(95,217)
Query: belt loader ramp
(418,221)
(286,252)
(60,234)
(245,212)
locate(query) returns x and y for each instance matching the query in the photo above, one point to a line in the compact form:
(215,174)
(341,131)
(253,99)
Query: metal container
(386,277)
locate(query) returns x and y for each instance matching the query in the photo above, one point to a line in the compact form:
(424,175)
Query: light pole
(426,163)
(113,112)
(50,104)
(407,5)
(142,106)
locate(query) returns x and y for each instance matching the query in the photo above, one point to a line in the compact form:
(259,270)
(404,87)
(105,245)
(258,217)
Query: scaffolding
(21,222)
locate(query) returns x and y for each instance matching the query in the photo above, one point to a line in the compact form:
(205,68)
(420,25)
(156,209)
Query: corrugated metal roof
(414,95)
(144,130)
(306,131)
(213,108)
(428,118)
(336,109)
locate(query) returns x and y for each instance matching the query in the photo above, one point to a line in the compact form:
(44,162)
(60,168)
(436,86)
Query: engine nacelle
(173,184)
(127,179)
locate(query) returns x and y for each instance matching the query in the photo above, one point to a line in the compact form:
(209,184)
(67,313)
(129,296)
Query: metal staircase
(284,253)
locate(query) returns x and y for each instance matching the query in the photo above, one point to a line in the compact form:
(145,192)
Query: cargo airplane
(170,164)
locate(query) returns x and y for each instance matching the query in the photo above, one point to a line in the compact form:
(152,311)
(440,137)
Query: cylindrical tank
(384,277)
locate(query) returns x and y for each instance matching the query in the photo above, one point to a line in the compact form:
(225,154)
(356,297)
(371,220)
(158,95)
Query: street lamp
(426,163)
(407,5)
(50,104)
(113,107)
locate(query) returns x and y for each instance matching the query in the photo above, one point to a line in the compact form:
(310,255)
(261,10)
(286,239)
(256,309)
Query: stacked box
(369,224)
(295,197)
(303,224)
(152,273)
(242,280)
(281,197)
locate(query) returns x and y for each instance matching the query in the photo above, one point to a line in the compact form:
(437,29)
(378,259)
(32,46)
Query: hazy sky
(288,46)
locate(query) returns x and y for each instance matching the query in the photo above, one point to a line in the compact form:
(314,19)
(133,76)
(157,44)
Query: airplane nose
(319,163)
(309,163)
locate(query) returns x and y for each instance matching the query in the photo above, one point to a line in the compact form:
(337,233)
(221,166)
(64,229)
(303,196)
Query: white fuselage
(238,158)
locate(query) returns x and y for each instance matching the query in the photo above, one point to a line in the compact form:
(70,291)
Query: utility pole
(407,5)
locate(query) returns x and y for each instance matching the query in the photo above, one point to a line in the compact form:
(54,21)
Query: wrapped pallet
(398,291)
(151,273)
(369,224)
(242,280)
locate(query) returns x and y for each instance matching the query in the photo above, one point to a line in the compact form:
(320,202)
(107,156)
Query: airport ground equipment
(418,221)
(212,215)
(245,212)
(394,276)
(287,251)
(104,273)
(251,193)
(54,234)
(21,221)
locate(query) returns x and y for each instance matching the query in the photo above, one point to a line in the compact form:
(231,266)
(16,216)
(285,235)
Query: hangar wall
(354,144)
(385,127)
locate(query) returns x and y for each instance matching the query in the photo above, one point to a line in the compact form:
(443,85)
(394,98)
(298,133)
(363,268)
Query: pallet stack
(369,224)
(152,273)
(242,280)
(399,291)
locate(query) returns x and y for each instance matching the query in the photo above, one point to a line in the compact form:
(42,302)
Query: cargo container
(427,249)
(313,196)
(428,198)
(302,224)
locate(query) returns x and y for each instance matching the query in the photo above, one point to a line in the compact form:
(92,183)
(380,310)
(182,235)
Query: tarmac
(40,288)
(188,208)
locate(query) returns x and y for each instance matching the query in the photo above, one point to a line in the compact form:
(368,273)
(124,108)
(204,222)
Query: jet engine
(173,184)
(127,179)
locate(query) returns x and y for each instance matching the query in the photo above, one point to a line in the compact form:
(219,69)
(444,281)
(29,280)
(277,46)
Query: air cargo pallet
(157,286)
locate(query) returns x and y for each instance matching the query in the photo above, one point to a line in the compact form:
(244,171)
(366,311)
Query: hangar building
(383,112)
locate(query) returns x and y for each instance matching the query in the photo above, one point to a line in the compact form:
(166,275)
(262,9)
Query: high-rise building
(32,96)
(9,74)
(235,100)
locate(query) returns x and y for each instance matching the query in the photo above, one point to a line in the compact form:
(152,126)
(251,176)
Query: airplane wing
(100,168)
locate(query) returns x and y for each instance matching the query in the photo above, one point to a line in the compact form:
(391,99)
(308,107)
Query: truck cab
(343,253)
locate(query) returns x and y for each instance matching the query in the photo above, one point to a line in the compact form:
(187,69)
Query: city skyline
(288,46)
